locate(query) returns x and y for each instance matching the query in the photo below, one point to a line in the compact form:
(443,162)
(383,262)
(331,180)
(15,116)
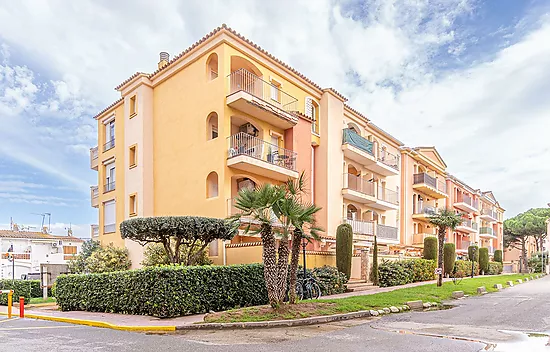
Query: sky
(471,77)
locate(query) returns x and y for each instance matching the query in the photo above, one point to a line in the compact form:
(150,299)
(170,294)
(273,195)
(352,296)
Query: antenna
(43,215)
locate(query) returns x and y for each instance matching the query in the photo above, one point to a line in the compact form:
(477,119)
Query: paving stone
(386,310)
(381,312)
(415,305)
(481,290)
(400,309)
(498,286)
(457,294)
(510,283)
(374,313)
(427,305)
(394,309)
(519,281)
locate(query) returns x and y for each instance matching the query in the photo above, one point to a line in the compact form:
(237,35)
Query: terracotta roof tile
(108,108)
(137,74)
(355,111)
(36,236)
(337,93)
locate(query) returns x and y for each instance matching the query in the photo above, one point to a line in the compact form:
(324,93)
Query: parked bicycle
(308,288)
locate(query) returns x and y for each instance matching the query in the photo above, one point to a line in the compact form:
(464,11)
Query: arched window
(212,66)
(354,128)
(351,212)
(212,185)
(212,126)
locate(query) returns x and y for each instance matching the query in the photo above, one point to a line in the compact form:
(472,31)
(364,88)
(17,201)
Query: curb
(277,323)
(99,324)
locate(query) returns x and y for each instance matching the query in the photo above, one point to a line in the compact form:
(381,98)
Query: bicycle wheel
(299,291)
(314,291)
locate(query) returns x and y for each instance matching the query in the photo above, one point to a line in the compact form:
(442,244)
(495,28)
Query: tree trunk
(269,257)
(282,270)
(294,259)
(523,260)
(441,238)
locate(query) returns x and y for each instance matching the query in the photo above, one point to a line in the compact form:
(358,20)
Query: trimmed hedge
(449,257)
(484,259)
(473,253)
(463,268)
(170,291)
(430,248)
(394,273)
(344,248)
(498,256)
(21,288)
(495,268)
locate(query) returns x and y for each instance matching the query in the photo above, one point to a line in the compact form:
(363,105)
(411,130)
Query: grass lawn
(398,297)
(42,300)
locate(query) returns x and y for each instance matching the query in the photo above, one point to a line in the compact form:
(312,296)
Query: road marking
(39,327)
(8,319)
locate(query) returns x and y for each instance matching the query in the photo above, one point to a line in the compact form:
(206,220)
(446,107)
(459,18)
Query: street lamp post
(304,244)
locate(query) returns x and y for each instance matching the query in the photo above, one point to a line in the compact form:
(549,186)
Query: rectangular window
(110,177)
(109,217)
(132,205)
(69,249)
(133,106)
(109,136)
(132,156)
(275,91)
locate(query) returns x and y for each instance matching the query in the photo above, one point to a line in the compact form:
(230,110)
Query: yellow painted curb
(99,324)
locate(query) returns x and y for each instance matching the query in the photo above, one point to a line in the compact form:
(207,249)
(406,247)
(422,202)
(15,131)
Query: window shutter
(309,108)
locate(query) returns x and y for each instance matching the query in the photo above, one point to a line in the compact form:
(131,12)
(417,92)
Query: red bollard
(21,307)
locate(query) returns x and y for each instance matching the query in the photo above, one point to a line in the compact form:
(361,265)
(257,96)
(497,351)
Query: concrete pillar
(365,265)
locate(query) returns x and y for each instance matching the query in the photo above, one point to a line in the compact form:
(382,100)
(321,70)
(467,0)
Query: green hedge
(330,280)
(394,273)
(484,259)
(344,248)
(463,268)
(21,288)
(495,268)
(449,257)
(430,248)
(498,255)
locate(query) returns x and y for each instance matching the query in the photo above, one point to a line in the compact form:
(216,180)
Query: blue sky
(470,77)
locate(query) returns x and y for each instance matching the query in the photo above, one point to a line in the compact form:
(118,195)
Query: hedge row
(394,273)
(170,291)
(463,268)
(21,288)
(495,268)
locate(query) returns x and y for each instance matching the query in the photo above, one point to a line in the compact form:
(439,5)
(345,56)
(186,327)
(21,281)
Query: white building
(30,249)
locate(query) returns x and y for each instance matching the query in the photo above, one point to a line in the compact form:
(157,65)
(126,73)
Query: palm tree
(444,219)
(259,204)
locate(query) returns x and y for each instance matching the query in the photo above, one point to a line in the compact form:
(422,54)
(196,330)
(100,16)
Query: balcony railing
(486,231)
(489,212)
(109,228)
(243,80)
(16,256)
(424,178)
(387,232)
(110,144)
(464,198)
(350,137)
(95,191)
(388,158)
(426,209)
(245,144)
(464,245)
(387,195)
(109,186)
(359,184)
(469,223)
(94,154)
(361,227)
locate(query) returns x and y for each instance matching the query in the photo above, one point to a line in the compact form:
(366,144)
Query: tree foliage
(449,257)
(444,219)
(77,264)
(498,256)
(484,259)
(344,248)
(374,272)
(107,259)
(155,255)
(177,234)
(430,248)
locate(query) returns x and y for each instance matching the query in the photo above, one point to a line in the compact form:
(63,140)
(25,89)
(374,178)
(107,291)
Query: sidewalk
(111,320)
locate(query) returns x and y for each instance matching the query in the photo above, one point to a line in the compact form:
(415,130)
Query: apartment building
(226,115)
(491,222)
(464,200)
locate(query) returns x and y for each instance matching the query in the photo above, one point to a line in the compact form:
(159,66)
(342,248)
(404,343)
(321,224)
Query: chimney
(164,58)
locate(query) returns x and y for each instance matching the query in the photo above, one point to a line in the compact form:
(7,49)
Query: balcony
(94,230)
(486,232)
(468,226)
(361,229)
(387,164)
(488,215)
(424,212)
(418,238)
(94,196)
(358,189)
(94,158)
(387,234)
(466,203)
(110,144)
(251,154)
(429,185)
(16,256)
(109,186)
(357,148)
(263,100)
(386,199)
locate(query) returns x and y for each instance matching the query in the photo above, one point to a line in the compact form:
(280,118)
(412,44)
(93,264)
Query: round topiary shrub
(344,248)
(498,256)
(484,260)
(430,248)
(449,257)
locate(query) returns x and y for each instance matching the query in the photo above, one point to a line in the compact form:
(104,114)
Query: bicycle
(307,289)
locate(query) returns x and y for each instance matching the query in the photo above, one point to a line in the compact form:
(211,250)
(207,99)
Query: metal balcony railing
(486,231)
(110,144)
(387,232)
(243,80)
(464,198)
(94,154)
(387,195)
(361,227)
(359,184)
(16,256)
(424,178)
(245,144)
(426,209)
(469,223)
(352,138)
(489,212)
(388,158)
(109,228)
(95,191)
(109,186)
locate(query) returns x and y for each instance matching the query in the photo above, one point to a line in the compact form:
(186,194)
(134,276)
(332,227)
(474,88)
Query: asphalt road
(524,308)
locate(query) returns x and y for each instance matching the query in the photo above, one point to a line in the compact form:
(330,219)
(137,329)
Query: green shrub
(374,273)
(344,248)
(498,255)
(394,273)
(430,248)
(422,269)
(21,288)
(495,268)
(463,268)
(330,280)
(449,257)
(484,259)
(473,253)
(155,254)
